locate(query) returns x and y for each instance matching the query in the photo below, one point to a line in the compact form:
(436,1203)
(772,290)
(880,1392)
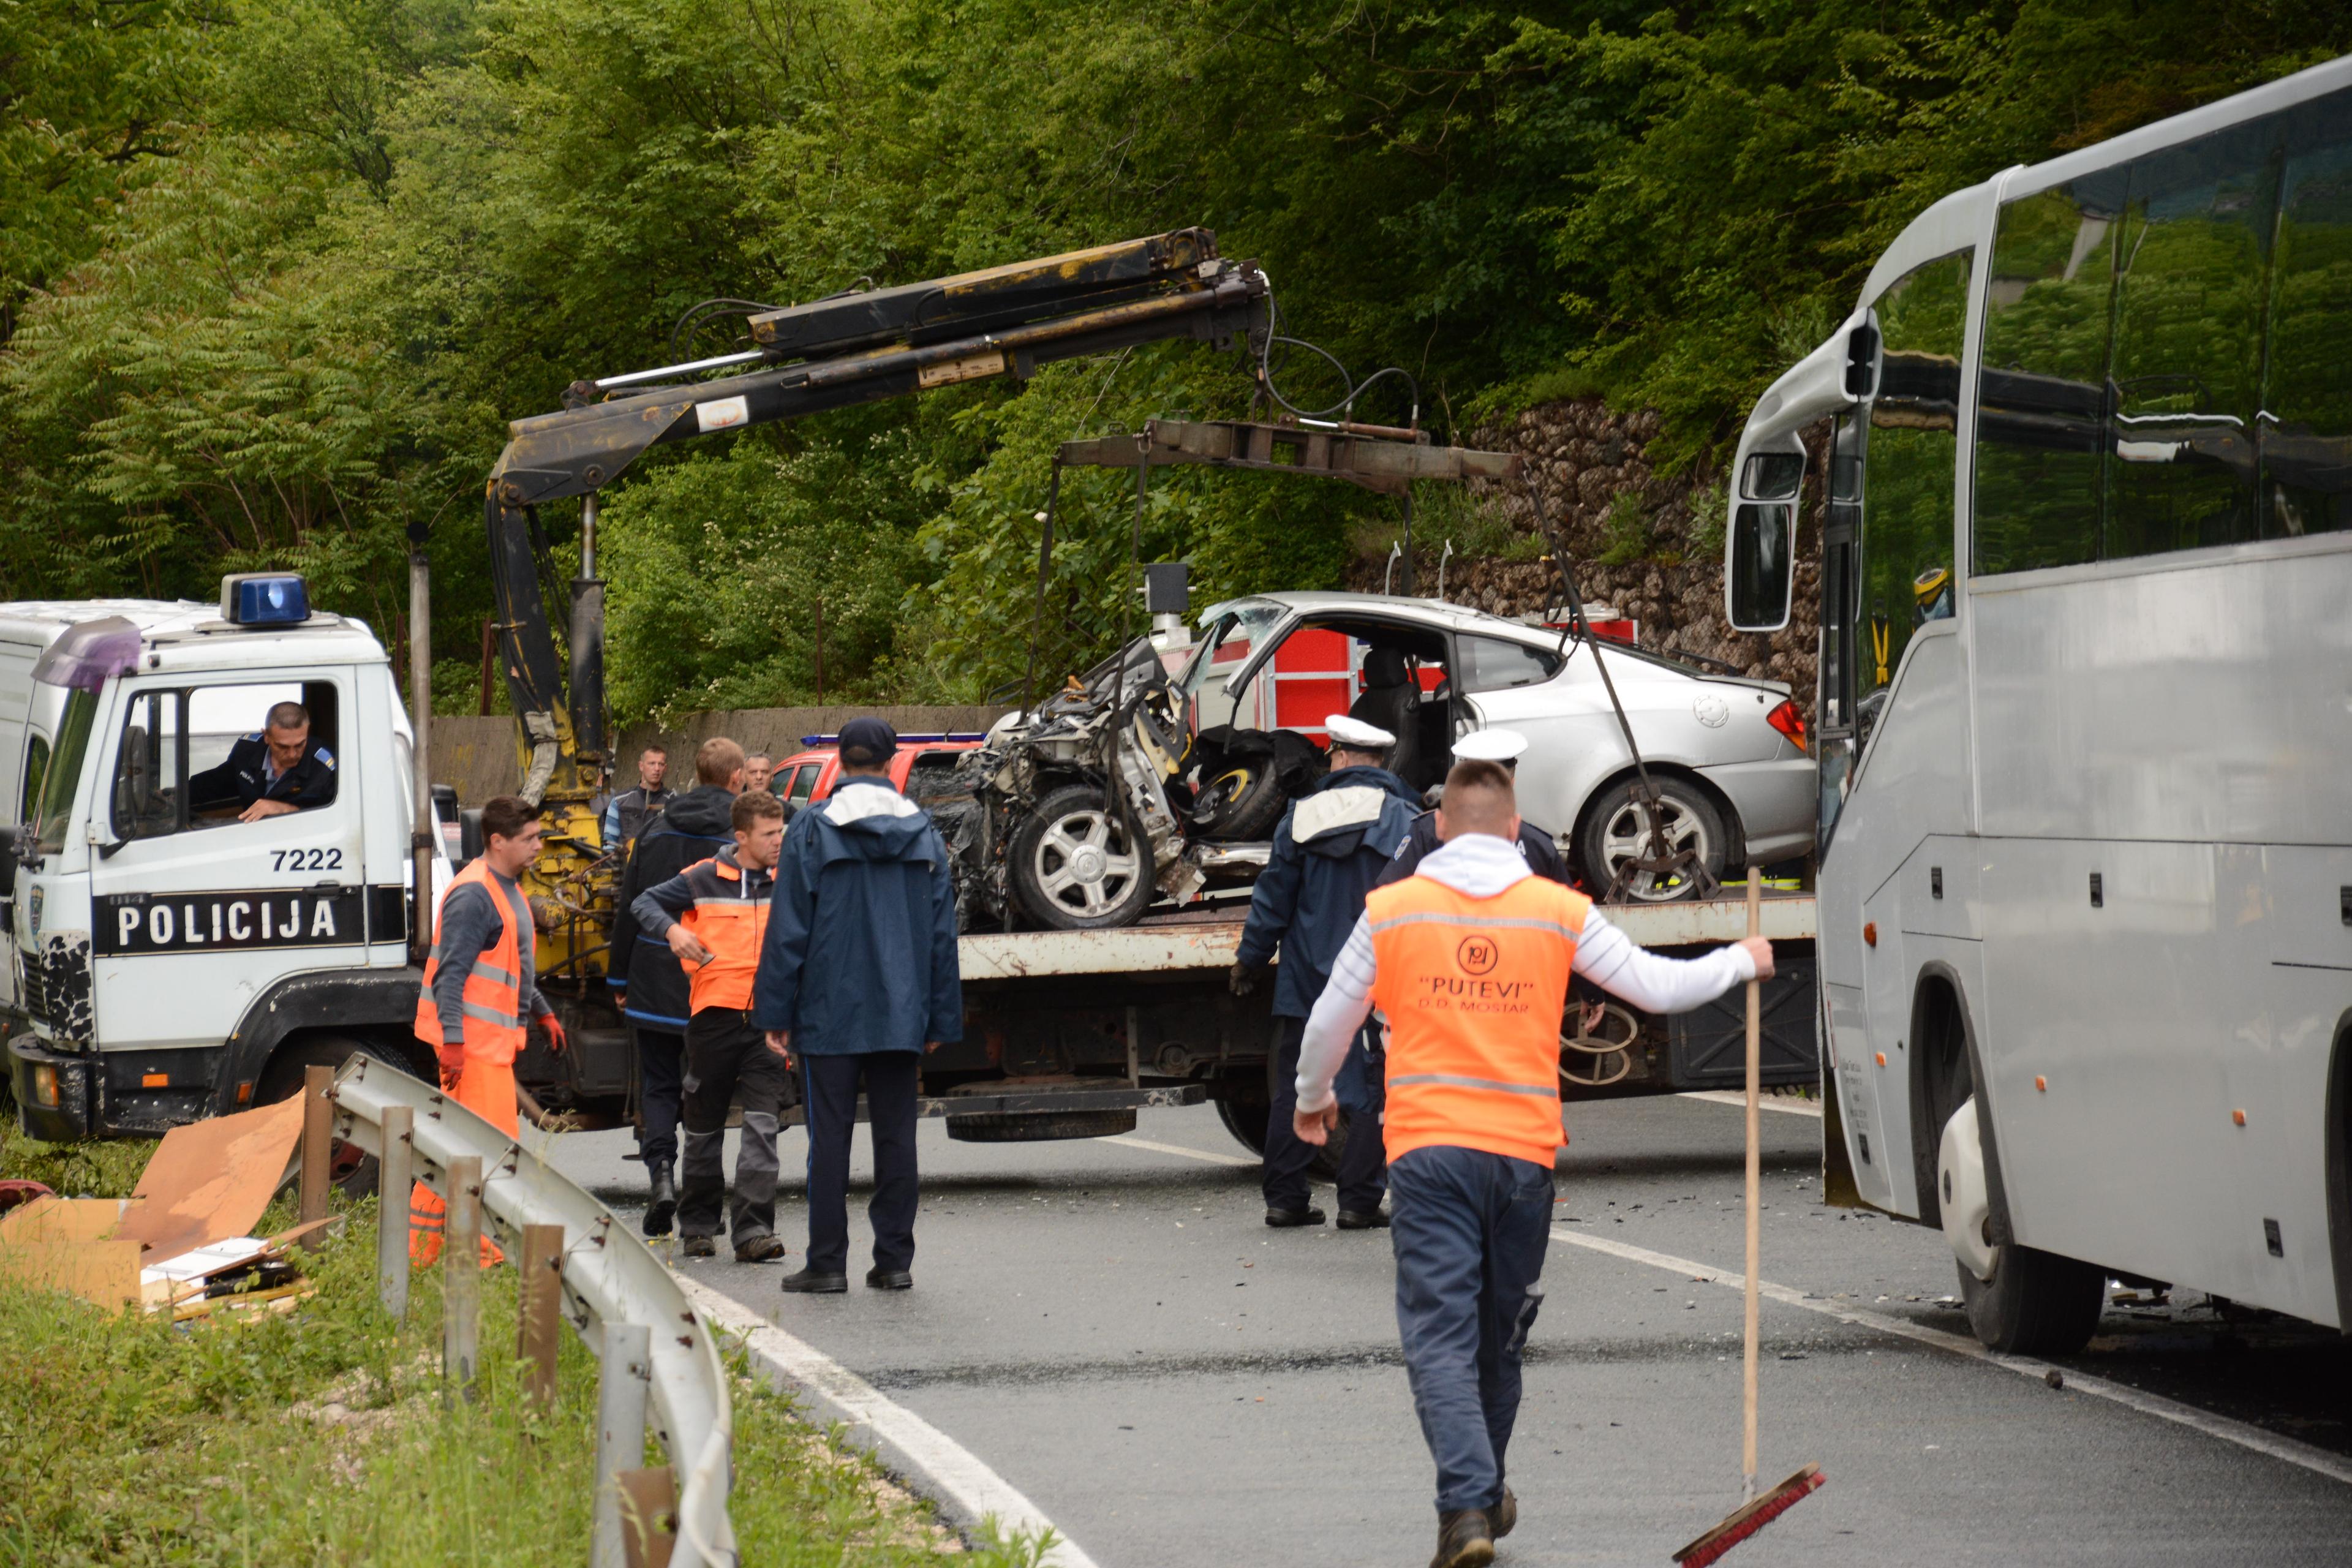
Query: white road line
(2317,1460)
(1215,1157)
(1812,1108)
(943,1464)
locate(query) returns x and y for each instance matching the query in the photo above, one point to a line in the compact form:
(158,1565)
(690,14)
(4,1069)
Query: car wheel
(1241,800)
(1077,867)
(1617,833)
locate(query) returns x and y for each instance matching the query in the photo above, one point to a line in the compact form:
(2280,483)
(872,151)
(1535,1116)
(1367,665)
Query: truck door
(194,910)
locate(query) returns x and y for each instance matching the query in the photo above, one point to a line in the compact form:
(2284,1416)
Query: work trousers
(485,1088)
(727,1060)
(1470,1230)
(1363,1169)
(829,1088)
(661,1097)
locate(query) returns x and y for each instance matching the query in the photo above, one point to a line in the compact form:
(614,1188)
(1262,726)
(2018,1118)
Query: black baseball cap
(866,740)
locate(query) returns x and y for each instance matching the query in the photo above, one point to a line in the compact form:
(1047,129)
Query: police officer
(647,985)
(478,988)
(275,770)
(714,916)
(1502,746)
(857,980)
(1469,959)
(1326,853)
(626,813)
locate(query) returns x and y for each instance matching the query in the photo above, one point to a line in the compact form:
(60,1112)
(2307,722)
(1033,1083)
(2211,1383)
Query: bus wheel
(2036,1303)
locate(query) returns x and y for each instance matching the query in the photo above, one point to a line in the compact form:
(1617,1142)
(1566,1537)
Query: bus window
(2043,400)
(2306,434)
(1909,455)
(2188,344)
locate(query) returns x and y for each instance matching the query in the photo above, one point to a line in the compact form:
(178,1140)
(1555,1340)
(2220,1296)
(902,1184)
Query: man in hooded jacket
(857,980)
(1327,853)
(648,984)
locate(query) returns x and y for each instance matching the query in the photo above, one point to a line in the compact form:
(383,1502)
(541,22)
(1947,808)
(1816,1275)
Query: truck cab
(171,953)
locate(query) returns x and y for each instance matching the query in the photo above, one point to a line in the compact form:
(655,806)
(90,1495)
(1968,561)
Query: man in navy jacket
(1327,854)
(857,979)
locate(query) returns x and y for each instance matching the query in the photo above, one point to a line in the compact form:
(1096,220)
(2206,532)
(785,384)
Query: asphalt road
(1110,1326)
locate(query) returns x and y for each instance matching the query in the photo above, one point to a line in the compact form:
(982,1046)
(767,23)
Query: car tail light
(1789,722)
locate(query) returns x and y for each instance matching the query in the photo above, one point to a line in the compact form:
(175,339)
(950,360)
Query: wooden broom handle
(1755,1199)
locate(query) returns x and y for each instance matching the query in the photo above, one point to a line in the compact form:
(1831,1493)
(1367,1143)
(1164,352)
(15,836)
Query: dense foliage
(275,272)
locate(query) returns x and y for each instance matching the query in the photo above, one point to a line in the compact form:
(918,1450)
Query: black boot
(661,1207)
(1464,1539)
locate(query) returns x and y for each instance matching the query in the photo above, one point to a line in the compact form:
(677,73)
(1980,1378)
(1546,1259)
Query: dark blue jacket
(245,778)
(1327,854)
(1535,848)
(693,826)
(861,950)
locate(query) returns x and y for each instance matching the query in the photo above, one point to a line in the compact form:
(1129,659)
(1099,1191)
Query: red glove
(557,1040)
(453,1062)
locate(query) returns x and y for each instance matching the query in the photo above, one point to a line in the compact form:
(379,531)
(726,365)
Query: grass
(323,1436)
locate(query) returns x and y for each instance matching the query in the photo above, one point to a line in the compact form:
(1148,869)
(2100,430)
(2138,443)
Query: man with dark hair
(626,813)
(478,988)
(647,985)
(1469,960)
(714,915)
(859,979)
(275,770)
(1329,850)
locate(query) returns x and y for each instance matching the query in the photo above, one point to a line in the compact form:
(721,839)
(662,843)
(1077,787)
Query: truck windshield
(63,774)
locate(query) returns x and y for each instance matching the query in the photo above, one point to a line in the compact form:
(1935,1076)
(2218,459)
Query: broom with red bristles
(1761,1509)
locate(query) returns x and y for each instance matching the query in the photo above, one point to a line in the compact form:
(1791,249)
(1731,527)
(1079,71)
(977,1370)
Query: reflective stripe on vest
(492,1007)
(1473,991)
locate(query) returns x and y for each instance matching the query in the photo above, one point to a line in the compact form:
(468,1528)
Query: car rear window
(1490,663)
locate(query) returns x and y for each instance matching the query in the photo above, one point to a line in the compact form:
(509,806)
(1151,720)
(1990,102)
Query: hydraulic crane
(856,347)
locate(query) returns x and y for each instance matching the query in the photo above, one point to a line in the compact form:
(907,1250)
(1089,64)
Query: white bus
(2086,715)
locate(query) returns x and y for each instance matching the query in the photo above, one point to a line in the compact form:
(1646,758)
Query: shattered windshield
(1224,649)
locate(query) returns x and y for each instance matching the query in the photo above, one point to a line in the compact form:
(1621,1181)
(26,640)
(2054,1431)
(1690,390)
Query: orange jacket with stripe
(1473,990)
(725,905)
(492,1019)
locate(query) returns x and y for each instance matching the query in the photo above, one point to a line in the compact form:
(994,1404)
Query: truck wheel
(1077,866)
(353,1172)
(1617,831)
(2036,1303)
(1245,1120)
(1241,800)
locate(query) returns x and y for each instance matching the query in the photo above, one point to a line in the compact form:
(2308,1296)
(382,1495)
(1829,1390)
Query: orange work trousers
(487,1089)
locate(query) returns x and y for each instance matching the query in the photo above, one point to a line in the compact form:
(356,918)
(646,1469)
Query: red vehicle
(808,776)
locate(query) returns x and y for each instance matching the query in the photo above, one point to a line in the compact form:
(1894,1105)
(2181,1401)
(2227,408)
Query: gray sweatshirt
(469,927)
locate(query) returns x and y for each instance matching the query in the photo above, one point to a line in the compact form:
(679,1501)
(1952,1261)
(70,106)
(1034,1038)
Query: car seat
(1392,699)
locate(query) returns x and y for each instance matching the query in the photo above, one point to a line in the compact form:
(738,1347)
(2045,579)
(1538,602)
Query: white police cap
(1489,746)
(1357,735)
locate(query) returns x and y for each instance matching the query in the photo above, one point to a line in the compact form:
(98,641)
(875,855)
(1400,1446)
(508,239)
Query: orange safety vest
(730,919)
(493,997)
(485,1082)
(1473,990)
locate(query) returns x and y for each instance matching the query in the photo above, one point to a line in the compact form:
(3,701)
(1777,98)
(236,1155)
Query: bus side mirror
(1759,565)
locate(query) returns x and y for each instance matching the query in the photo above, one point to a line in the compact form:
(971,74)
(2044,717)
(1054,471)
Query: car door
(1554,697)
(194,914)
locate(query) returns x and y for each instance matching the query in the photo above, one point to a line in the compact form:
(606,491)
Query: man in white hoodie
(1469,960)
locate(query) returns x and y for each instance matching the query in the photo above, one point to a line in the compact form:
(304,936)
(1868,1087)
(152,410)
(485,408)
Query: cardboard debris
(66,1244)
(181,1244)
(210,1181)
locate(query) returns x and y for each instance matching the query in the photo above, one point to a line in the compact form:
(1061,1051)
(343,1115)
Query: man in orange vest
(714,915)
(1469,960)
(479,990)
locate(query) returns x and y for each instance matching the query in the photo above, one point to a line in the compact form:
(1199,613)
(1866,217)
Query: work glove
(1241,979)
(557,1040)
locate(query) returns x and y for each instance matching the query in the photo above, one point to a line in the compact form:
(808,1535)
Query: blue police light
(264,599)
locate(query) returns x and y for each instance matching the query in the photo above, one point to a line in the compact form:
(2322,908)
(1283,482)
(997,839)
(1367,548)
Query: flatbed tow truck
(1068,1034)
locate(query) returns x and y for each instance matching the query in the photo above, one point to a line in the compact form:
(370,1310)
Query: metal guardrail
(610,1279)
